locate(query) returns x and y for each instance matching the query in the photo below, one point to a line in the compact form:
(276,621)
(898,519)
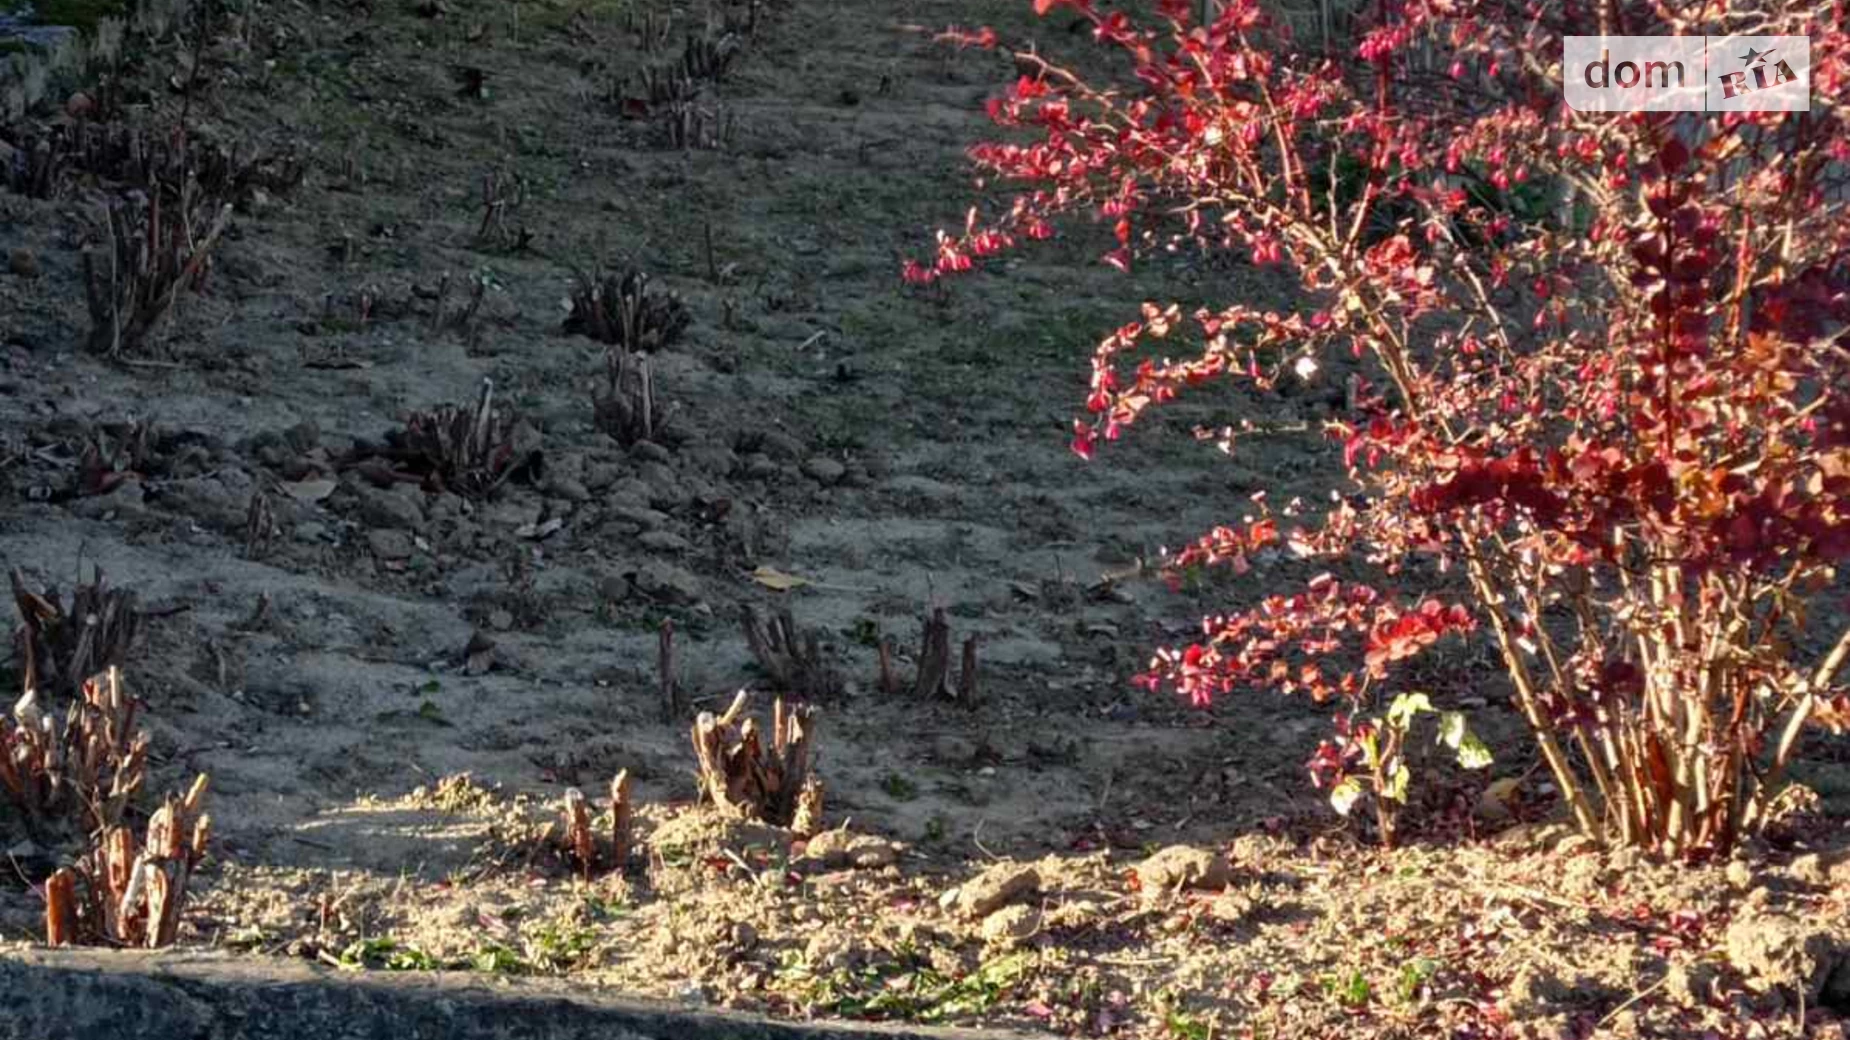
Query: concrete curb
(91,994)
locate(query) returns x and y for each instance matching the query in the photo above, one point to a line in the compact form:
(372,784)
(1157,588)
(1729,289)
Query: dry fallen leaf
(540,531)
(772,578)
(309,490)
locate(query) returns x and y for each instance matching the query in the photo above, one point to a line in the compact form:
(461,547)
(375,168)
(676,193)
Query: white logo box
(1687,73)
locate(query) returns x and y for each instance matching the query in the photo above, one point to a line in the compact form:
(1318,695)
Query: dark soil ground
(383,800)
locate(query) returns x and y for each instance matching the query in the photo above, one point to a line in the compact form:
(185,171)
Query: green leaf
(1474,753)
(1344,795)
(1397,782)
(1401,712)
(1455,733)
(1371,750)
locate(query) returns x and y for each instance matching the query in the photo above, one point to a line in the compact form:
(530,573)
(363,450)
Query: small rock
(1532,990)
(665,490)
(667,582)
(640,515)
(664,541)
(1574,844)
(304,436)
(568,489)
(872,854)
(780,445)
(759,466)
(824,470)
(1011,925)
(1181,866)
(649,451)
(392,509)
(1690,984)
(23,262)
(711,458)
(390,545)
(1775,950)
(829,952)
(1810,869)
(829,846)
(840,847)
(955,751)
(602,475)
(995,888)
(1740,874)
(500,620)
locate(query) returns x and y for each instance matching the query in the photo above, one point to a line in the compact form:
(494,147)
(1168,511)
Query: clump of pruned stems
(581,840)
(624,406)
(47,158)
(82,773)
(471,451)
(127,893)
(157,248)
(934,680)
(623,309)
(792,659)
(503,195)
(62,645)
(744,775)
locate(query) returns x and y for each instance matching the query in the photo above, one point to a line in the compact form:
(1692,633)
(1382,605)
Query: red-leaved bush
(1602,378)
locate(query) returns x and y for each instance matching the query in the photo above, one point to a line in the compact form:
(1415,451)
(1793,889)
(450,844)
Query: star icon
(1753,56)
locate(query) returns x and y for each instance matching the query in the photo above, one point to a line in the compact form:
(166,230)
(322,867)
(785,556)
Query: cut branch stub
(158,248)
(624,311)
(935,677)
(743,777)
(620,814)
(578,841)
(672,701)
(624,406)
(935,658)
(794,661)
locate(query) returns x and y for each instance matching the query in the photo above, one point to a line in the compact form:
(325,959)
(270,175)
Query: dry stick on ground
(743,778)
(889,683)
(62,648)
(793,660)
(259,526)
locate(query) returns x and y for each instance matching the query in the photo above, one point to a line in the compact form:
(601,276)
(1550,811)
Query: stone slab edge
(183,995)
